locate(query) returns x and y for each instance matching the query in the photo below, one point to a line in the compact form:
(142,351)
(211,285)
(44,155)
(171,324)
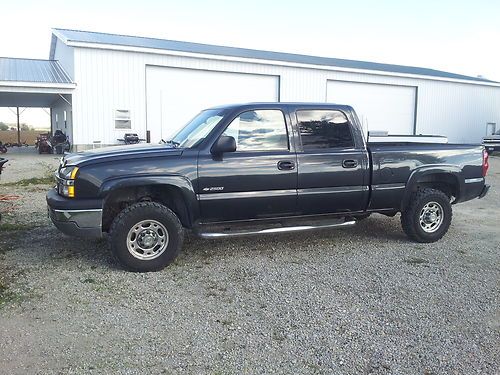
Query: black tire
(410,217)
(127,223)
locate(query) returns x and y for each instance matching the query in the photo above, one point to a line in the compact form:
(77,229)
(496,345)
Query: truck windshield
(197,129)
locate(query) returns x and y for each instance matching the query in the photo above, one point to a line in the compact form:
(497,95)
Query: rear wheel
(146,236)
(428,215)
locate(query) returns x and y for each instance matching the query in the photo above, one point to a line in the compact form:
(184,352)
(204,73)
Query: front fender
(176,181)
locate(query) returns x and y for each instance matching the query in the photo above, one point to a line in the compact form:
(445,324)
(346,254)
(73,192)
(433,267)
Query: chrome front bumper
(80,223)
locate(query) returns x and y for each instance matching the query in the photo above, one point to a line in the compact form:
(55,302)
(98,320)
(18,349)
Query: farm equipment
(131,139)
(58,143)
(43,144)
(2,162)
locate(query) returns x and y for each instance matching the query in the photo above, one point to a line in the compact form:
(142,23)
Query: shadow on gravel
(46,245)
(377,230)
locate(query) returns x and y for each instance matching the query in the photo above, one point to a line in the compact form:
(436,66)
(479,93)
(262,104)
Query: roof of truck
(270,105)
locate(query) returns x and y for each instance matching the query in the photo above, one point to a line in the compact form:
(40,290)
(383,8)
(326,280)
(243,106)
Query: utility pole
(18,128)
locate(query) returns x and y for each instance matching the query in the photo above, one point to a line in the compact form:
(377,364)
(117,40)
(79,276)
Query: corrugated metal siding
(179,46)
(57,110)
(27,70)
(459,111)
(65,56)
(108,80)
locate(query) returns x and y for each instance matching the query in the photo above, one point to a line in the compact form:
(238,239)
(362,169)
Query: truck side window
(324,129)
(261,130)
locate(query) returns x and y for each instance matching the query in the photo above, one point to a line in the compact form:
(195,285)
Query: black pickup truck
(259,168)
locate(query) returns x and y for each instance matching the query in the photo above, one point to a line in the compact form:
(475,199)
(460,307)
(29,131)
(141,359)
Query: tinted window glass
(324,129)
(259,130)
(198,128)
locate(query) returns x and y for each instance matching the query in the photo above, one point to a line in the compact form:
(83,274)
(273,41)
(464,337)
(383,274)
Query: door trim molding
(247,194)
(336,189)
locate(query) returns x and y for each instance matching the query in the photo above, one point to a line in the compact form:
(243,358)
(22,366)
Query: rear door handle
(349,163)
(286,165)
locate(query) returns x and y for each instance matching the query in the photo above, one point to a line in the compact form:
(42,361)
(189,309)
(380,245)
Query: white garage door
(379,107)
(176,95)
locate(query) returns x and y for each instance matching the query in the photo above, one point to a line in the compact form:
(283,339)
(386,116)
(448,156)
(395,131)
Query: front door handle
(349,163)
(286,165)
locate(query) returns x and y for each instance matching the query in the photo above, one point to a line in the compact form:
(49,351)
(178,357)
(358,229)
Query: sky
(456,36)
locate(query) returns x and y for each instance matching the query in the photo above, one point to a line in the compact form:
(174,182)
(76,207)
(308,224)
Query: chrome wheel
(431,217)
(147,240)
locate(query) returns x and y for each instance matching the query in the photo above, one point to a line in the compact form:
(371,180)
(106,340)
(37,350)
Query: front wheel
(428,215)
(146,236)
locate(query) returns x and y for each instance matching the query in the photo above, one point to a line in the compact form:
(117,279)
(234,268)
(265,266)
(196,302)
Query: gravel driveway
(362,300)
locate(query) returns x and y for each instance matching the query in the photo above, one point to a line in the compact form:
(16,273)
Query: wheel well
(168,195)
(445,182)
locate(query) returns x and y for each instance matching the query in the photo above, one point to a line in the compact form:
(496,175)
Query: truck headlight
(68,173)
(66,185)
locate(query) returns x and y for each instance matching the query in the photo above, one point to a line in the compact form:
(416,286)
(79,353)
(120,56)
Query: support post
(18,128)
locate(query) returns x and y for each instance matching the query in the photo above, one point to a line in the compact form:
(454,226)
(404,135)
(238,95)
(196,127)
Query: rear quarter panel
(396,167)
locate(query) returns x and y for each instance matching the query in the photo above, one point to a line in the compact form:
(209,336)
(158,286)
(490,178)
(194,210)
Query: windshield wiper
(172,142)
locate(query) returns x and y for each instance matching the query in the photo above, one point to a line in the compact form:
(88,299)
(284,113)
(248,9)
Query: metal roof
(29,70)
(172,45)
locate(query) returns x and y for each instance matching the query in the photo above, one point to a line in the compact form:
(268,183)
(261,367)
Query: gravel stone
(361,300)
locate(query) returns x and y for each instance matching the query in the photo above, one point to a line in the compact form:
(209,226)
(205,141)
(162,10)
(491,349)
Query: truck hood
(113,153)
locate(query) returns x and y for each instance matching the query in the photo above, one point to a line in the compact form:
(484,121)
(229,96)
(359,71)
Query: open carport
(40,84)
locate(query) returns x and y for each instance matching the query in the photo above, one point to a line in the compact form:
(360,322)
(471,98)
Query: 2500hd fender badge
(213,188)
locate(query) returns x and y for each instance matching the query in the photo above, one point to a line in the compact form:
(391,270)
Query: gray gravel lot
(27,163)
(362,300)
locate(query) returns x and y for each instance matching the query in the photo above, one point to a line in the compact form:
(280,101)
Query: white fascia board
(12,85)
(56,35)
(115,47)
(60,36)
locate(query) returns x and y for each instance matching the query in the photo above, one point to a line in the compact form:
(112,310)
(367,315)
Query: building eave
(36,85)
(56,35)
(157,51)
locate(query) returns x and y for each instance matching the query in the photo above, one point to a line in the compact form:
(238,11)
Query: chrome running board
(273,230)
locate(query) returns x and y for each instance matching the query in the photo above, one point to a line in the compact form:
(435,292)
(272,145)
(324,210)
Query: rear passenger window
(324,129)
(262,130)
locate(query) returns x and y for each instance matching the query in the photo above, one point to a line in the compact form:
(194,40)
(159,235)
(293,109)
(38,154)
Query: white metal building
(118,84)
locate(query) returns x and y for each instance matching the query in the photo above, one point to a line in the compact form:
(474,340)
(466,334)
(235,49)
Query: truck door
(333,171)
(259,179)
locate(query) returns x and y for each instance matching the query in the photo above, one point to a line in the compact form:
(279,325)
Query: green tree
(25,127)
(4,126)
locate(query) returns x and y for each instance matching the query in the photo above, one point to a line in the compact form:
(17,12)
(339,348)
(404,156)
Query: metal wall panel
(109,79)
(459,111)
(382,107)
(61,117)
(175,95)
(65,55)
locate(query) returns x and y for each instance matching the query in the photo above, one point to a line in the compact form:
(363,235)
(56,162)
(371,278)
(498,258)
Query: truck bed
(394,163)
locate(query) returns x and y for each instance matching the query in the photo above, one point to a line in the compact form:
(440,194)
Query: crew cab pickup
(259,168)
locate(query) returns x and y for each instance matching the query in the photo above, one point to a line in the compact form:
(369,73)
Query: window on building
(122,119)
(259,130)
(320,129)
